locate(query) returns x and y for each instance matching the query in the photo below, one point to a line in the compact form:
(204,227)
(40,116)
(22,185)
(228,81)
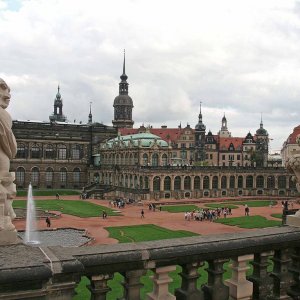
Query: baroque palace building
(144,162)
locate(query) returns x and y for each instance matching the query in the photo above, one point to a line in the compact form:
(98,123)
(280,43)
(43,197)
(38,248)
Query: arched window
(35,176)
(223,182)
(75,152)
(49,177)
(145,159)
(164,159)
(76,177)
(206,182)
(155,160)
(167,183)
(136,159)
(249,181)
(126,159)
(63,177)
(232,182)
(187,183)
(271,182)
(146,183)
(281,182)
(177,183)
(156,184)
(21,151)
(35,151)
(197,183)
(62,151)
(215,182)
(240,182)
(260,181)
(131,160)
(20,176)
(49,152)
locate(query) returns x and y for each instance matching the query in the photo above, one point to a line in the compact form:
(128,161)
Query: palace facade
(145,163)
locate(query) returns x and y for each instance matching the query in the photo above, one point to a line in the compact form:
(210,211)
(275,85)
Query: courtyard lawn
(178,208)
(258,203)
(77,208)
(278,216)
(219,205)
(23,193)
(249,222)
(148,232)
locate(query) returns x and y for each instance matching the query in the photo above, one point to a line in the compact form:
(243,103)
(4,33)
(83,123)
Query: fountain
(31,234)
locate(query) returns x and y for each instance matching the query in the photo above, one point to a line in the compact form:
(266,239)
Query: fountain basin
(65,237)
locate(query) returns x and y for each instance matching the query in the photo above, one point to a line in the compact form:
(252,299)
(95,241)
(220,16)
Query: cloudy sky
(241,58)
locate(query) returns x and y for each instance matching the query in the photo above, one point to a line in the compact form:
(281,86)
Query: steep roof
(224,142)
(292,137)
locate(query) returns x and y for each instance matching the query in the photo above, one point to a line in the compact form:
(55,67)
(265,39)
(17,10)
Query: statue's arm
(7,141)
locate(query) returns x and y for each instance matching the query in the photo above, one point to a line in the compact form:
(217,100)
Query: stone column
(161,280)
(215,288)
(239,287)
(99,287)
(188,290)
(132,284)
(280,275)
(262,283)
(294,290)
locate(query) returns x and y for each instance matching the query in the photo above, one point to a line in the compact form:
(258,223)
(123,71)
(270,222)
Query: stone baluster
(262,282)
(99,287)
(239,287)
(280,275)
(161,280)
(188,290)
(132,284)
(215,288)
(294,290)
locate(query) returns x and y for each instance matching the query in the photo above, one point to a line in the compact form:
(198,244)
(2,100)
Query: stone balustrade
(54,272)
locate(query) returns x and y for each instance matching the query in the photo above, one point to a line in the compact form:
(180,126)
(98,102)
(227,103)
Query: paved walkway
(131,215)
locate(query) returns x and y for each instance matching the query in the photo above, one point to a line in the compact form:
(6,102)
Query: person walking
(48,222)
(246,210)
(142,214)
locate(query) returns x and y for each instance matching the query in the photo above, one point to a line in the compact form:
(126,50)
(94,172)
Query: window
(231,157)
(210,156)
(76,176)
(197,183)
(215,182)
(63,176)
(164,160)
(206,182)
(49,176)
(238,157)
(155,160)
(49,152)
(232,182)
(183,145)
(223,157)
(249,181)
(35,176)
(260,181)
(21,151)
(224,182)
(240,182)
(177,183)
(62,152)
(20,176)
(282,182)
(145,159)
(75,153)
(187,183)
(35,151)
(167,184)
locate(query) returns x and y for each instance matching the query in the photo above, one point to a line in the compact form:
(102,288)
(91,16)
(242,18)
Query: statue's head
(4,94)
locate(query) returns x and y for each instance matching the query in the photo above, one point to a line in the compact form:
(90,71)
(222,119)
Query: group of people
(207,214)
(152,206)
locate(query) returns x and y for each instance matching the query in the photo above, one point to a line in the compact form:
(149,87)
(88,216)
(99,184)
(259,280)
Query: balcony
(54,272)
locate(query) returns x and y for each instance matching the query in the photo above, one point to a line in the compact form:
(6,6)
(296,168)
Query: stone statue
(8,150)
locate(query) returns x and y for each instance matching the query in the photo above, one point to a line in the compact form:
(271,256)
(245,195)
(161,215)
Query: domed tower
(262,145)
(200,129)
(58,113)
(224,132)
(123,104)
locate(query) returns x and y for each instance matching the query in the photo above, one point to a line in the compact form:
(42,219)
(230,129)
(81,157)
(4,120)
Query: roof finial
(124,63)
(58,88)
(91,107)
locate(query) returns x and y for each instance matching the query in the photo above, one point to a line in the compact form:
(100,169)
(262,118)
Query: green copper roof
(139,139)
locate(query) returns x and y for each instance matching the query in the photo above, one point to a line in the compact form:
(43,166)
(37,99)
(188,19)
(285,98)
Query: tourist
(142,214)
(246,210)
(57,196)
(48,222)
(104,214)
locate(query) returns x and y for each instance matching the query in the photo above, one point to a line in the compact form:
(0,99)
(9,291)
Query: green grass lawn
(219,205)
(148,232)
(249,222)
(178,208)
(279,216)
(49,192)
(258,203)
(77,208)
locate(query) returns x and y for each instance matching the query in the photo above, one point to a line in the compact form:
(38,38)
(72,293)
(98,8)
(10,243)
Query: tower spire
(261,121)
(90,120)
(124,76)
(200,114)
